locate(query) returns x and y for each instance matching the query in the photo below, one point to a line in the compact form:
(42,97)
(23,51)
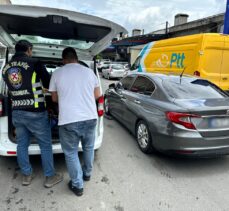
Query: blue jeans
(34,124)
(70,136)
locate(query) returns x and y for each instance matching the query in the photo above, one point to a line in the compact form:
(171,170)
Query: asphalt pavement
(124,179)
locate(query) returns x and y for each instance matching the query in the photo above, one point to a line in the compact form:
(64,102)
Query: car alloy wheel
(143,137)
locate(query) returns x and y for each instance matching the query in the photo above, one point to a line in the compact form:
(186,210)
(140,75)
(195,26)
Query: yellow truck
(203,55)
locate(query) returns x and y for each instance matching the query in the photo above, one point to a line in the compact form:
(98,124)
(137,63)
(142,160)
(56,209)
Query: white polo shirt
(75,86)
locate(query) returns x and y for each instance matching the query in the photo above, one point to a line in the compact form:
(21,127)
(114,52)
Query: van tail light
(1,107)
(182,119)
(196,73)
(100,106)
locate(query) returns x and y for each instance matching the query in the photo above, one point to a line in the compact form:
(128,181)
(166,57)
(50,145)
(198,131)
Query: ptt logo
(178,59)
(162,62)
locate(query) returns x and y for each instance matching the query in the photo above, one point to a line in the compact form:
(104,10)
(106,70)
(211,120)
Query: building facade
(212,24)
(5,2)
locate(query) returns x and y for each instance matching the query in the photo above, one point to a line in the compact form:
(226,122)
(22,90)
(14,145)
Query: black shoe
(86,178)
(75,190)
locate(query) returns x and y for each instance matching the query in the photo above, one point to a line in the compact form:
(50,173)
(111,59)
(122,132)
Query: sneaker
(53,180)
(75,190)
(86,178)
(27,179)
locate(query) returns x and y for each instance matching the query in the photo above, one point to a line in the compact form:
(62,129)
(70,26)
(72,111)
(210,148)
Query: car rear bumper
(192,146)
(116,74)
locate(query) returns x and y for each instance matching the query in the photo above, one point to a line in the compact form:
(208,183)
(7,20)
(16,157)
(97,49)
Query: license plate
(219,123)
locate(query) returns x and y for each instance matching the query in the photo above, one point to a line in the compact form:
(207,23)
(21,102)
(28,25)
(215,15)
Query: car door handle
(137,101)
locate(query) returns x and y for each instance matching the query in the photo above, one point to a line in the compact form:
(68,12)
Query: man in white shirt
(76,89)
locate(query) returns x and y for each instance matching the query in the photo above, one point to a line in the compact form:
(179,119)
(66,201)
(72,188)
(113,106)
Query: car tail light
(182,119)
(196,73)
(1,107)
(101,106)
(11,152)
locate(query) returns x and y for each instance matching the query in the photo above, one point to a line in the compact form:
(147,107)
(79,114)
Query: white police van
(50,30)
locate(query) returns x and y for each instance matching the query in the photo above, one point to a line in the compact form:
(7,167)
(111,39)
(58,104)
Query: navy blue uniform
(25,77)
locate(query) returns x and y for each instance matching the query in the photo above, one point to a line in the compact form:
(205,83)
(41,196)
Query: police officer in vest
(26,79)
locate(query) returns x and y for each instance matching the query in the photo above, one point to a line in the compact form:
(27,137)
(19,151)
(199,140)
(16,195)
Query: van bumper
(8,148)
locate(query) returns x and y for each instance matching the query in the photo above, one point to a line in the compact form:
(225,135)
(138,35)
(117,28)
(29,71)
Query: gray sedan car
(173,114)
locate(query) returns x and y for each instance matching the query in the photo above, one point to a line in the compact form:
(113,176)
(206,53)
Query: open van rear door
(40,25)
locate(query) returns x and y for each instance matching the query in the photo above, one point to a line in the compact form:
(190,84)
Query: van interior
(52,108)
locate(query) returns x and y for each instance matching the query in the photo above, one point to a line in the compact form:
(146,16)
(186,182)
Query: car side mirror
(112,86)
(119,85)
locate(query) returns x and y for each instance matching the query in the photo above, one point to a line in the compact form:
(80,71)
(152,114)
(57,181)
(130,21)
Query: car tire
(143,137)
(106,107)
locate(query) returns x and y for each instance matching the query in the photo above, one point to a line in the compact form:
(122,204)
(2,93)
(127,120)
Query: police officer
(25,78)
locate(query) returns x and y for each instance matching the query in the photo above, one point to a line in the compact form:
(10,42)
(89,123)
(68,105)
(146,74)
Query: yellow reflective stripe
(34,76)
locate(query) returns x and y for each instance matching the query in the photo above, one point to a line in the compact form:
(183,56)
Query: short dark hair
(23,46)
(69,53)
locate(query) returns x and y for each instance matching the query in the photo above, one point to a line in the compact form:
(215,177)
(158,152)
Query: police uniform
(25,77)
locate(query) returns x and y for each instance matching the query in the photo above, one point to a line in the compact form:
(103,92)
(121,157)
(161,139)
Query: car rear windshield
(117,66)
(192,88)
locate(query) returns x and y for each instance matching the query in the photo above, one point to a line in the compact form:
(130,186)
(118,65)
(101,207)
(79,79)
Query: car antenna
(182,74)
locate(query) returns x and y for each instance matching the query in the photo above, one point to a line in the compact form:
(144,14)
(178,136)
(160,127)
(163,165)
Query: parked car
(113,71)
(50,31)
(103,64)
(172,114)
(126,67)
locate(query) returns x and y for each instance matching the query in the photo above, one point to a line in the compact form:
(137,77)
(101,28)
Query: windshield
(189,88)
(41,40)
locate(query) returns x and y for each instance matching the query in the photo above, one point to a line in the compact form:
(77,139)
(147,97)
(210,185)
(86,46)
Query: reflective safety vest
(37,91)
(24,84)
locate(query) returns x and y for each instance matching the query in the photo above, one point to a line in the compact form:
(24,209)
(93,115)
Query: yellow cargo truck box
(203,55)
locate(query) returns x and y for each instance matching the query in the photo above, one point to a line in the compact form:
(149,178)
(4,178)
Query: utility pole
(166,28)
(226,19)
